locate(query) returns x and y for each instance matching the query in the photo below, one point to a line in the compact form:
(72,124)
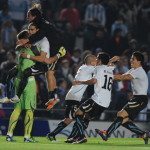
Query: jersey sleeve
(133,73)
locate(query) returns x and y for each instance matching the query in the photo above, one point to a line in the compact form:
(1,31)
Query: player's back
(24,63)
(84,73)
(43,45)
(102,89)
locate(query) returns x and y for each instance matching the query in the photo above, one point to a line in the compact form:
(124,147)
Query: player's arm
(61,53)
(87,82)
(123,77)
(113,60)
(39,58)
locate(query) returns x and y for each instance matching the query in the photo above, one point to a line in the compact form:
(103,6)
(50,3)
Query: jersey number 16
(108,83)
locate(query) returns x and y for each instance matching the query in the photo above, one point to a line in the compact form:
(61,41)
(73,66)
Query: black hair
(139,56)
(35,24)
(36,13)
(23,35)
(103,57)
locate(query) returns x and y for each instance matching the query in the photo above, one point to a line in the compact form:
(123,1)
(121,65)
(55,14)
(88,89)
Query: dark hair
(35,24)
(139,56)
(103,57)
(23,35)
(35,12)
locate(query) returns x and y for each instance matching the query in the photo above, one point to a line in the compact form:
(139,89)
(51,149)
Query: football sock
(114,125)
(132,127)
(80,125)
(59,128)
(74,131)
(28,123)
(51,94)
(13,121)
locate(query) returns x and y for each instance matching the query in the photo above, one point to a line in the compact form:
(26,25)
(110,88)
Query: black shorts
(92,108)
(38,69)
(137,103)
(52,66)
(71,107)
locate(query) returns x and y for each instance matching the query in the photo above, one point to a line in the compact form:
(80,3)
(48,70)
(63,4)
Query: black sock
(114,125)
(80,125)
(59,128)
(74,131)
(51,94)
(132,127)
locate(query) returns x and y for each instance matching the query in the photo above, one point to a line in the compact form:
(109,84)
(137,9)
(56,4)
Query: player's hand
(115,59)
(62,52)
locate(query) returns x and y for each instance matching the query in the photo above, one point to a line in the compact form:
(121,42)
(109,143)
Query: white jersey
(76,92)
(43,45)
(103,87)
(140,81)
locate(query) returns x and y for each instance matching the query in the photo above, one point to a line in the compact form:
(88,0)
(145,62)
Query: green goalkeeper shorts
(28,97)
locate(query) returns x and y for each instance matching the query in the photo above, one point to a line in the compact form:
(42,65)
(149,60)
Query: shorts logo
(34,70)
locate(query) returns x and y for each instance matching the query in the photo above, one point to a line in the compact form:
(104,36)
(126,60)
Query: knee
(122,114)
(67,121)
(78,113)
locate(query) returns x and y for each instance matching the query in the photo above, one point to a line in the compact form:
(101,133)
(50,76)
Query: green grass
(92,144)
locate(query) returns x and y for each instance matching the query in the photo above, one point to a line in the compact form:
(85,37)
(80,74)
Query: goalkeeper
(27,100)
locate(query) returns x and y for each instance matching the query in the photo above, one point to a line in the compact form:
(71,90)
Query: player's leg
(117,122)
(28,123)
(10,86)
(52,87)
(8,81)
(51,81)
(29,100)
(133,109)
(12,123)
(79,125)
(71,106)
(133,128)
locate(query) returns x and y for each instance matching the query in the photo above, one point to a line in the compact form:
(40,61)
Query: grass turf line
(92,144)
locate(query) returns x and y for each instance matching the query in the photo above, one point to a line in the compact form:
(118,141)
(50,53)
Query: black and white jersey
(43,45)
(140,81)
(76,92)
(103,87)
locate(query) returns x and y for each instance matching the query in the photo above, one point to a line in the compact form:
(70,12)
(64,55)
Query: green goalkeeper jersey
(24,63)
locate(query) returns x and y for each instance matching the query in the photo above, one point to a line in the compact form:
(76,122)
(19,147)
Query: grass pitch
(92,144)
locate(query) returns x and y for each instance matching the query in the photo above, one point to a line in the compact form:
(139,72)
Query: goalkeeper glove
(61,52)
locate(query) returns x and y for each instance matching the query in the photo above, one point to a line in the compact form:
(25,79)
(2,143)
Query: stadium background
(122,27)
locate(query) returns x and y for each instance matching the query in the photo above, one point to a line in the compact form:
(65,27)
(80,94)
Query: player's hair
(103,57)
(87,58)
(139,56)
(23,35)
(34,24)
(34,11)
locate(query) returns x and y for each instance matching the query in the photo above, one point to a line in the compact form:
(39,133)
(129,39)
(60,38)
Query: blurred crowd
(118,27)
